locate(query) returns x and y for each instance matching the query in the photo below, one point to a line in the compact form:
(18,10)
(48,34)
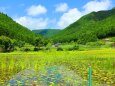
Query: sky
(53,14)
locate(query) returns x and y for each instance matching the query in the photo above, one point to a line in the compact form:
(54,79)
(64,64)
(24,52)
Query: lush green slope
(10,28)
(89,28)
(47,32)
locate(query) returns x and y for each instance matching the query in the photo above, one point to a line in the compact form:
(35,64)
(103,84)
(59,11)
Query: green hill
(11,29)
(91,27)
(46,32)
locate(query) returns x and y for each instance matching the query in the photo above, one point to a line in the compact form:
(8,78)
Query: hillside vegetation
(91,27)
(11,29)
(13,35)
(46,32)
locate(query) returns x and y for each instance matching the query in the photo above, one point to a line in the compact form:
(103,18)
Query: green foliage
(76,47)
(47,48)
(88,28)
(49,45)
(113,39)
(46,41)
(19,43)
(11,29)
(47,32)
(27,49)
(87,37)
(36,49)
(6,43)
(98,43)
(39,42)
(113,45)
(59,49)
(102,62)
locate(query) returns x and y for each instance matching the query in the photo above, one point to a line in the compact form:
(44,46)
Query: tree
(38,42)
(18,43)
(87,37)
(6,43)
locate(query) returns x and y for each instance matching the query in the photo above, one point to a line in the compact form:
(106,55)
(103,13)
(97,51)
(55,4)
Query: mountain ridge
(100,24)
(46,32)
(10,28)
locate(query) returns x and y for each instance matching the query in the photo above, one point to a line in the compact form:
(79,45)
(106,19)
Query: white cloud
(62,7)
(74,14)
(35,10)
(97,5)
(67,18)
(32,23)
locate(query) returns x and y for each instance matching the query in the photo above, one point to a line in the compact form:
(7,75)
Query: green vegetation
(96,25)
(40,42)
(11,29)
(102,63)
(72,56)
(46,32)
(63,61)
(14,35)
(6,44)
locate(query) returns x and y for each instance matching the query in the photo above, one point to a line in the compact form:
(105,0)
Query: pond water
(49,76)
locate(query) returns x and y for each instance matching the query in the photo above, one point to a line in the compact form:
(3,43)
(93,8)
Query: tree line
(91,27)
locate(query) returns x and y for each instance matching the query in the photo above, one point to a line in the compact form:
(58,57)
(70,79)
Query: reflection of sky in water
(52,75)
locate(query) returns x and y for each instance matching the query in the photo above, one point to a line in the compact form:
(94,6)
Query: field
(71,66)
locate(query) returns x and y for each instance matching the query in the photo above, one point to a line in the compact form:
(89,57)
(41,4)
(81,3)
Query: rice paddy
(57,68)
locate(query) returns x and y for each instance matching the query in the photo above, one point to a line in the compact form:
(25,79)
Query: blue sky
(42,14)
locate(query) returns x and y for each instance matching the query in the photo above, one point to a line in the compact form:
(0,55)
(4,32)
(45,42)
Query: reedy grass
(102,62)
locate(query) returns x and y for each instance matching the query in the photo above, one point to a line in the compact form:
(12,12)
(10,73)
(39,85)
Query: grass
(102,62)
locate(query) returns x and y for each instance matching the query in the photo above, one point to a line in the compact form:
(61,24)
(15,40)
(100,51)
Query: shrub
(113,45)
(98,43)
(27,49)
(59,49)
(113,39)
(70,49)
(6,43)
(20,44)
(76,47)
(36,49)
(47,48)
(39,42)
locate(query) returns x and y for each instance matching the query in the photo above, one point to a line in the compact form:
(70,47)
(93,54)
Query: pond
(47,76)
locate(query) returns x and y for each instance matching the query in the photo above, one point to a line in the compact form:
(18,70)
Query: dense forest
(9,28)
(90,27)
(46,32)
(14,35)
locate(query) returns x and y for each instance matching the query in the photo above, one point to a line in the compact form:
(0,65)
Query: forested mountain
(91,27)
(46,32)
(11,29)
